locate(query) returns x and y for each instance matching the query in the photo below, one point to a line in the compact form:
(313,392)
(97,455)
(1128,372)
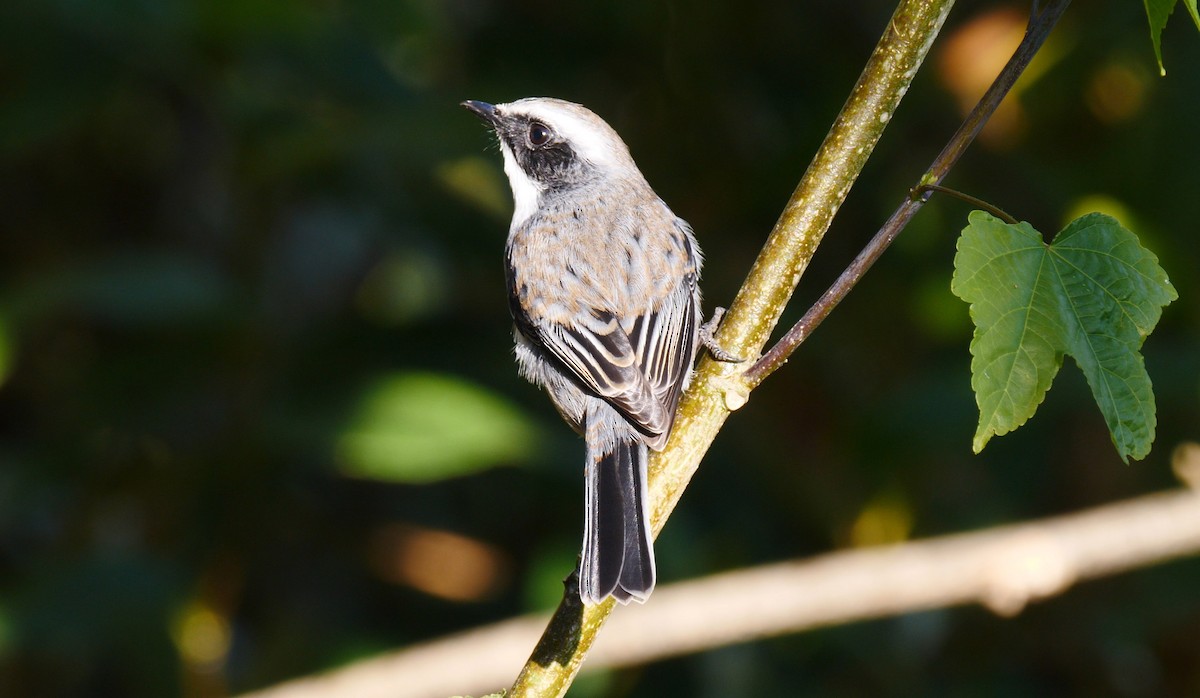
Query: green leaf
(1191,7)
(1157,13)
(422,427)
(1094,293)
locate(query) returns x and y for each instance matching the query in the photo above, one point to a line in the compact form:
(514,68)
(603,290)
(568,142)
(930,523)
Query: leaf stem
(717,388)
(1041,21)
(917,191)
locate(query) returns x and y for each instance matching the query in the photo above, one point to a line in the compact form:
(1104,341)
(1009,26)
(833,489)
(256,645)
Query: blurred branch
(1003,568)
(1041,20)
(717,389)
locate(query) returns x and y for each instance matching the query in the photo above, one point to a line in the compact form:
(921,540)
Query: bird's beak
(483,110)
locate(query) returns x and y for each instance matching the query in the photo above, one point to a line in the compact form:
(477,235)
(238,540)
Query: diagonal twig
(1041,21)
(716,389)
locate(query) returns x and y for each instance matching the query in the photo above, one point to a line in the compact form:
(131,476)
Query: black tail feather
(618,556)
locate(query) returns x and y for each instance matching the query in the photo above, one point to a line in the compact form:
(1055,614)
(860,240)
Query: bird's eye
(539,134)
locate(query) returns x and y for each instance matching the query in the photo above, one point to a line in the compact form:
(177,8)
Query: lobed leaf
(1094,293)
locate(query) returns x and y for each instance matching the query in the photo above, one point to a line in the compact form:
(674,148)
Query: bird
(603,289)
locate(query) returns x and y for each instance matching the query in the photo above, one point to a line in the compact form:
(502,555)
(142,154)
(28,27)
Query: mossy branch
(1041,22)
(718,388)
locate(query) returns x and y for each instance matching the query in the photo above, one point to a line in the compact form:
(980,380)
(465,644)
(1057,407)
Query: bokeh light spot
(885,520)
(1116,93)
(1100,203)
(402,288)
(202,636)
(440,563)
(974,54)
(477,182)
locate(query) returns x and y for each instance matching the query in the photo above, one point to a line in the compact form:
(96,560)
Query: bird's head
(550,145)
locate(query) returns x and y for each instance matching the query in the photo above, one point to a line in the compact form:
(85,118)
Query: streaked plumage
(602,281)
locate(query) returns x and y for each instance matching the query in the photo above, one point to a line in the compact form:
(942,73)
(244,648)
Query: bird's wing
(636,355)
(600,354)
(664,343)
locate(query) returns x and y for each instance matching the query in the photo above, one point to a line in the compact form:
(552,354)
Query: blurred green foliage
(226,226)
(424,427)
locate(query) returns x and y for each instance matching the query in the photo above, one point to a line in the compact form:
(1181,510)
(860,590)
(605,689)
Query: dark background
(258,411)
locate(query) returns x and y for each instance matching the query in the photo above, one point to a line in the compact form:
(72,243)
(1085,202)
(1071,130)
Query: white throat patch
(526,192)
(589,137)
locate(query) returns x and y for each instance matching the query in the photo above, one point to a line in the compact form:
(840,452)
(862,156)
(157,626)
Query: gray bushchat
(602,285)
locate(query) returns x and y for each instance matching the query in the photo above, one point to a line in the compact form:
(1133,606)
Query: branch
(1003,568)
(1041,21)
(715,389)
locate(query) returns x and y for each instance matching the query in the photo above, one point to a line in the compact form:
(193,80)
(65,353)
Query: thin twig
(716,388)
(1041,21)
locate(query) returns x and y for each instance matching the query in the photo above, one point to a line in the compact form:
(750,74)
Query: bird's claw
(707,330)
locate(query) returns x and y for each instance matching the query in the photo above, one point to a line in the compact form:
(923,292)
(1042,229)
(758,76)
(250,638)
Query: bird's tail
(618,555)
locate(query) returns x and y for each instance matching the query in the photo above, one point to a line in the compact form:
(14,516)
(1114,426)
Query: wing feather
(606,363)
(639,360)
